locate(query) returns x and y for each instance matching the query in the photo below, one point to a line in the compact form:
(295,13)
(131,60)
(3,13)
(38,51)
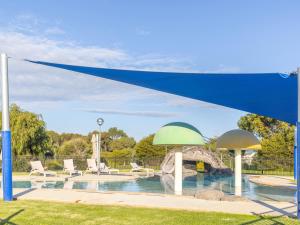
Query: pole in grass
(298,144)
(6,134)
(295,154)
(100,122)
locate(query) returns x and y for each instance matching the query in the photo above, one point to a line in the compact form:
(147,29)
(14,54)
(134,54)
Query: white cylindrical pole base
(178,173)
(238,172)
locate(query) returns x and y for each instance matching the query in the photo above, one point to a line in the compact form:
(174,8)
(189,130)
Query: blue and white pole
(6,135)
(298,143)
(295,155)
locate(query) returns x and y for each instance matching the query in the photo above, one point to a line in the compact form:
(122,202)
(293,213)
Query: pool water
(165,184)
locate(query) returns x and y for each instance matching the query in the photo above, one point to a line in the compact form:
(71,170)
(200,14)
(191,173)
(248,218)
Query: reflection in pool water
(165,184)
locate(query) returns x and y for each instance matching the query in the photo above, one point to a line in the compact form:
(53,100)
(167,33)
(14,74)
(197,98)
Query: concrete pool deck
(85,177)
(271,180)
(268,180)
(157,201)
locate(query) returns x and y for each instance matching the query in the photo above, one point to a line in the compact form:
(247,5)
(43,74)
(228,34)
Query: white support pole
(238,172)
(178,172)
(6,134)
(5,98)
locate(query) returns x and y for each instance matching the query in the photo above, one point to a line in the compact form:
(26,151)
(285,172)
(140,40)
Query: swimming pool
(165,184)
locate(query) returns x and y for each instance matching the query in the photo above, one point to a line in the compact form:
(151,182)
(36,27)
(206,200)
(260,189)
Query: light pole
(100,122)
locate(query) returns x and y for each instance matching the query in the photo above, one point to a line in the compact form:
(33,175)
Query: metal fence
(267,166)
(22,163)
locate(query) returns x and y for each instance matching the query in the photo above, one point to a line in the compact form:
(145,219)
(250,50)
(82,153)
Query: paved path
(158,201)
(271,180)
(85,177)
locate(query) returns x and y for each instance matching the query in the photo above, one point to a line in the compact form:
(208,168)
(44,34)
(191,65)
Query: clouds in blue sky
(50,91)
(131,113)
(34,83)
(142,31)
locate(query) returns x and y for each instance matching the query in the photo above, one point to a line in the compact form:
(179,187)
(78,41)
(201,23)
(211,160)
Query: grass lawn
(39,212)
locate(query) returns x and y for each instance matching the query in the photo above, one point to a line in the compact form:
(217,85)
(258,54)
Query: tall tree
(78,147)
(277,139)
(121,143)
(145,149)
(116,133)
(29,134)
(109,139)
(261,126)
(55,140)
(69,136)
(105,139)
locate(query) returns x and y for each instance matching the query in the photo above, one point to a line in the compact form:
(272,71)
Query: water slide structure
(196,153)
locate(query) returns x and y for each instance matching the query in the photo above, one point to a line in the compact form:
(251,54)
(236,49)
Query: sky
(183,36)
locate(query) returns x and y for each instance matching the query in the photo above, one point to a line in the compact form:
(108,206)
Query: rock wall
(194,154)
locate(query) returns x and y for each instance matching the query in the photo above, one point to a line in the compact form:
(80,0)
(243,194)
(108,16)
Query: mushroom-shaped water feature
(238,140)
(179,134)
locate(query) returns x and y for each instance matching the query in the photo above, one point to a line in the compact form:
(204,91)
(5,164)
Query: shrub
(21,165)
(54,165)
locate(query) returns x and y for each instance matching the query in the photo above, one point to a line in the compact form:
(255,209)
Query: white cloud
(36,83)
(54,30)
(131,113)
(224,69)
(30,83)
(142,32)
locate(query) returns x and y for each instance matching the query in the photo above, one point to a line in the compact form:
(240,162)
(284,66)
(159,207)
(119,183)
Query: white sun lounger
(106,169)
(37,167)
(70,168)
(92,166)
(136,168)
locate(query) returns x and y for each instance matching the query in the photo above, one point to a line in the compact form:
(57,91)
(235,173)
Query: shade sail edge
(267,94)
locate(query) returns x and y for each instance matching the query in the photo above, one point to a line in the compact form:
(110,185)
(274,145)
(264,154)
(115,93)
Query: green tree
(277,140)
(115,133)
(121,143)
(78,147)
(105,139)
(123,154)
(69,136)
(145,149)
(211,144)
(55,140)
(261,126)
(29,134)
(112,135)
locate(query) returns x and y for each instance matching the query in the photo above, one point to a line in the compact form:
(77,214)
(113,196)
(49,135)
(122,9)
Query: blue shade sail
(268,94)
